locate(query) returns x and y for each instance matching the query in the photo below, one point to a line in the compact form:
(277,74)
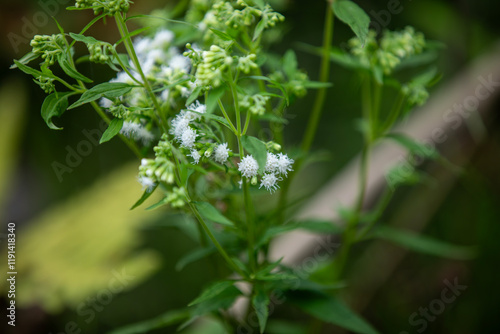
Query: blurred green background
(75,234)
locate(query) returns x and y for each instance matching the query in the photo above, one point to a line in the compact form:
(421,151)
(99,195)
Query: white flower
(136,131)
(221,153)
(124,77)
(188,137)
(179,62)
(179,124)
(199,108)
(248,166)
(195,155)
(269,181)
(147,183)
(284,164)
(142,45)
(105,102)
(271,163)
(162,39)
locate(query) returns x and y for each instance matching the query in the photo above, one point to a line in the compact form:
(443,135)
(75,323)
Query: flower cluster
(256,104)
(390,50)
(277,165)
(108,7)
(48,47)
(211,69)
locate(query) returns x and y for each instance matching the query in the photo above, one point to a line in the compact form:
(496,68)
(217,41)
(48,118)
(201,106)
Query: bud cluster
(104,6)
(48,47)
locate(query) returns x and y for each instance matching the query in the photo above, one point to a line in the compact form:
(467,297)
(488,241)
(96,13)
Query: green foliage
(351,14)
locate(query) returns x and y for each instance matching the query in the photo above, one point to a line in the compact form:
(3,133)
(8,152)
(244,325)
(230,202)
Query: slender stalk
(122,27)
(221,106)
(316,111)
(324,76)
(221,250)
(394,114)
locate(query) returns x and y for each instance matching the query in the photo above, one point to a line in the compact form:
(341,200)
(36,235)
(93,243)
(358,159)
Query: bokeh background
(76,238)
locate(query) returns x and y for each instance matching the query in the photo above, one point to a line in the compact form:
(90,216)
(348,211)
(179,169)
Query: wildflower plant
(189,97)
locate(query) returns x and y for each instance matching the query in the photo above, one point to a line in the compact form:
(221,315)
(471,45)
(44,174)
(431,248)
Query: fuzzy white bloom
(124,77)
(105,102)
(137,131)
(164,95)
(248,166)
(195,155)
(162,39)
(179,124)
(271,163)
(147,183)
(269,181)
(142,45)
(221,153)
(284,164)
(179,62)
(198,107)
(188,137)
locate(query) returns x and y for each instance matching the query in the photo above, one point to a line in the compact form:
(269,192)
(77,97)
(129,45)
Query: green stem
(122,27)
(394,114)
(324,77)
(221,106)
(221,250)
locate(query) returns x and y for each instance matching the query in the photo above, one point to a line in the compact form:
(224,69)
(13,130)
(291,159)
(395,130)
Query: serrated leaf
(424,244)
(413,146)
(330,309)
(55,105)
(144,197)
(113,129)
(352,15)
(257,149)
(260,303)
(70,70)
(107,89)
(212,291)
(209,212)
(193,256)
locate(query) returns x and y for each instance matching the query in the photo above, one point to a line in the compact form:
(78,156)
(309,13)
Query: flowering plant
(189,99)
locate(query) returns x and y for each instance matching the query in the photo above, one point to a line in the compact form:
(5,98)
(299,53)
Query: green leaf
(290,63)
(424,244)
(212,291)
(317,84)
(259,29)
(222,35)
(330,309)
(209,212)
(167,319)
(144,197)
(83,39)
(194,95)
(107,89)
(113,129)
(213,96)
(28,70)
(352,15)
(260,302)
(55,105)
(257,149)
(413,146)
(25,59)
(158,204)
(193,256)
(70,70)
